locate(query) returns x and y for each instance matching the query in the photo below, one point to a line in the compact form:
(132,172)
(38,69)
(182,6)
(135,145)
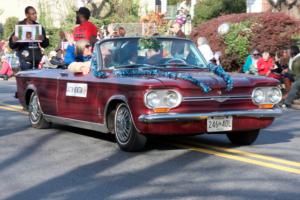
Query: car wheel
(36,117)
(243,138)
(127,136)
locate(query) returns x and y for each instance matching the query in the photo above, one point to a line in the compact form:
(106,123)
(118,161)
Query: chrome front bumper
(176,117)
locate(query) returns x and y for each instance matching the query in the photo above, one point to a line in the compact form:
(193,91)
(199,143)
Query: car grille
(216,98)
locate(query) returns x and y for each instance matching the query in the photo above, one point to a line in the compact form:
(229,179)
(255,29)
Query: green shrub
(238,40)
(9,26)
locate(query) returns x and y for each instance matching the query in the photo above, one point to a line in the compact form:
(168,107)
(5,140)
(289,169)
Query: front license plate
(219,124)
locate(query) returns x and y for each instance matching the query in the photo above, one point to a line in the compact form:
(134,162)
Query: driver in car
(153,57)
(177,50)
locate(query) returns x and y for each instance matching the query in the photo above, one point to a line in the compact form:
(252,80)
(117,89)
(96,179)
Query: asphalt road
(68,163)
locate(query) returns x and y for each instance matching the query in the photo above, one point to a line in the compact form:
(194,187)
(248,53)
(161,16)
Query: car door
(46,88)
(77,97)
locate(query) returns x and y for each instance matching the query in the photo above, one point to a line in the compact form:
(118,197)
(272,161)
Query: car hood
(216,82)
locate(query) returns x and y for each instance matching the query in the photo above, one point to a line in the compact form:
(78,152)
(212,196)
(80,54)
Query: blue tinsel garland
(218,70)
(94,67)
(158,73)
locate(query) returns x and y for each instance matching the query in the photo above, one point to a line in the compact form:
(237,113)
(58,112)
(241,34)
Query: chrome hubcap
(123,124)
(34,109)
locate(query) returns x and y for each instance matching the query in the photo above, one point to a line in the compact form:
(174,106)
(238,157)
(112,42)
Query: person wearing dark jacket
(29,53)
(294,66)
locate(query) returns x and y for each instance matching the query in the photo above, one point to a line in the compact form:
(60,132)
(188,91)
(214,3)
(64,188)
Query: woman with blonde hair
(78,57)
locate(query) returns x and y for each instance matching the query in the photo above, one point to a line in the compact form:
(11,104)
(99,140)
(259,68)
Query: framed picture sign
(28,33)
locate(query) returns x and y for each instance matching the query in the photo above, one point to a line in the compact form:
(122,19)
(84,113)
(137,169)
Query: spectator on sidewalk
(29,53)
(281,71)
(2,47)
(100,34)
(205,49)
(265,64)
(250,66)
(176,30)
(62,44)
(6,70)
(112,30)
(121,31)
(295,68)
(86,29)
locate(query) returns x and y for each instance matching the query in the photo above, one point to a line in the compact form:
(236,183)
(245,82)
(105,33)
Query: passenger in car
(78,57)
(129,53)
(80,51)
(107,56)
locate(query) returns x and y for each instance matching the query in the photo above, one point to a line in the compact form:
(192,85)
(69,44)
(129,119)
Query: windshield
(150,52)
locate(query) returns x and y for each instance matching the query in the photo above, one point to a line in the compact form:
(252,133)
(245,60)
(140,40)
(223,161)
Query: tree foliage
(124,11)
(53,36)
(237,40)
(1,31)
(208,9)
(9,26)
(44,14)
(174,2)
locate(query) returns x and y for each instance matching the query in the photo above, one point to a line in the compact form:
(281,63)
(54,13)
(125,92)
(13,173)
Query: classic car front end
(151,86)
(184,110)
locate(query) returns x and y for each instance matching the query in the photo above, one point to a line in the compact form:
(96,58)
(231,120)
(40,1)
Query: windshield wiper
(180,64)
(131,66)
(138,66)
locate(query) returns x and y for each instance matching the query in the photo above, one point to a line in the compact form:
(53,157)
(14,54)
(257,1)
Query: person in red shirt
(265,64)
(86,30)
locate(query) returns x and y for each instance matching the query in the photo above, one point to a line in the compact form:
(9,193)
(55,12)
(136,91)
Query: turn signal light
(266,106)
(161,110)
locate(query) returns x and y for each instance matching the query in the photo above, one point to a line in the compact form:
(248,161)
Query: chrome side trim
(77,123)
(217,98)
(175,117)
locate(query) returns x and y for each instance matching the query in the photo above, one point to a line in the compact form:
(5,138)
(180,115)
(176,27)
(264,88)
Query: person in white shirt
(205,49)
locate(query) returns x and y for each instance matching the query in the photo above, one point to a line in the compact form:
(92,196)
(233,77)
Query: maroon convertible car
(141,86)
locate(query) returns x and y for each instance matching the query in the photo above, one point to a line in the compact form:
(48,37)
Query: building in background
(258,6)
(290,7)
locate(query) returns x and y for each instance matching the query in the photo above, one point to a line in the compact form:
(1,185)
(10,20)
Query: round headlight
(274,95)
(172,99)
(152,99)
(162,99)
(258,96)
